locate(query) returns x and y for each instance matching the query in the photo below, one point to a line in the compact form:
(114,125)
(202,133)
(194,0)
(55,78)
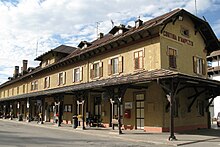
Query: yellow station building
(152,75)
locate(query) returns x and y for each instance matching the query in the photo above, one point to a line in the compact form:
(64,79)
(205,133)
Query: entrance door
(139,111)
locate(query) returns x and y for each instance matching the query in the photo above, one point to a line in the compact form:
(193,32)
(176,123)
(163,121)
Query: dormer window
(118,30)
(84,44)
(138,23)
(47,62)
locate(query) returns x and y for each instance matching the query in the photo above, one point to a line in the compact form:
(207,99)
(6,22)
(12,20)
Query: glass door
(139,111)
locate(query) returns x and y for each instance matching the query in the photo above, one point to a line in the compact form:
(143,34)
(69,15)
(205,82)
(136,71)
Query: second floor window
(46,82)
(138,60)
(24,89)
(61,78)
(96,70)
(172,53)
(18,90)
(34,85)
(77,74)
(115,65)
(12,91)
(199,65)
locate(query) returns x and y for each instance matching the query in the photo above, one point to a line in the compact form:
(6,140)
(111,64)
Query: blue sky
(31,27)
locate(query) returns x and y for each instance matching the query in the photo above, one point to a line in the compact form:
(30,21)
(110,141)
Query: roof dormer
(84,44)
(116,30)
(54,55)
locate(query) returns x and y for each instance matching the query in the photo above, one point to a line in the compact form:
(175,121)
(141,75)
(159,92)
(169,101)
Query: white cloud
(49,23)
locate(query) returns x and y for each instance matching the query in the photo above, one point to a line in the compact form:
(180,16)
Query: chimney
(101,35)
(24,68)
(16,71)
(138,23)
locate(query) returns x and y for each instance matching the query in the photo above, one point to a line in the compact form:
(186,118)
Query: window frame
(96,73)
(172,59)
(18,90)
(34,86)
(120,65)
(80,68)
(61,81)
(24,88)
(138,59)
(199,65)
(47,82)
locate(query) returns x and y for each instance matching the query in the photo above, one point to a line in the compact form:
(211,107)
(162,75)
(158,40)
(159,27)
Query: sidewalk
(184,138)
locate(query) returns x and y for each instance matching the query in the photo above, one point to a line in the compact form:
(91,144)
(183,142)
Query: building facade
(213,73)
(152,76)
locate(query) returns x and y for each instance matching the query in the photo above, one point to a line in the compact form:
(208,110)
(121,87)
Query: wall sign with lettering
(177,38)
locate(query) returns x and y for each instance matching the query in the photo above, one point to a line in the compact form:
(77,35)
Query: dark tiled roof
(60,49)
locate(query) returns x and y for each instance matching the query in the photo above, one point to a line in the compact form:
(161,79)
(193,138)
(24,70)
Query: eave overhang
(130,79)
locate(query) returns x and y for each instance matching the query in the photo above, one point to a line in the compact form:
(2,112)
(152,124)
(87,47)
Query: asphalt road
(20,135)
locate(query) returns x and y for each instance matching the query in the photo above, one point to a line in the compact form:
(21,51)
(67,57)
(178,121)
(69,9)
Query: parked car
(218,120)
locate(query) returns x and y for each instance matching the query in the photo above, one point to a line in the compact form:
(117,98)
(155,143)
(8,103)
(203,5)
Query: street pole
(119,116)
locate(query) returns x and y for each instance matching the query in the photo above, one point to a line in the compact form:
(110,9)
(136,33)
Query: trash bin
(75,121)
(20,117)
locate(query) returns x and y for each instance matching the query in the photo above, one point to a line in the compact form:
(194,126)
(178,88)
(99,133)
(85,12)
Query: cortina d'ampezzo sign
(177,38)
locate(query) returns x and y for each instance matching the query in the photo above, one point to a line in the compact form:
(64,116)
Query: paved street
(22,134)
(18,134)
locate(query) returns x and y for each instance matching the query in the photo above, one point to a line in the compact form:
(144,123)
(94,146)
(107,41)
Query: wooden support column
(172,136)
(11,111)
(58,111)
(112,104)
(81,101)
(40,102)
(78,112)
(171,92)
(18,109)
(28,110)
(121,92)
(116,95)
(4,111)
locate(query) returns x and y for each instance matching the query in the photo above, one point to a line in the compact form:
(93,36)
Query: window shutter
(81,73)
(143,52)
(100,69)
(109,67)
(194,64)
(58,79)
(203,67)
(73,75)
(120,64)
(91,71)
(48,82)
(168,51)
(64,78)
